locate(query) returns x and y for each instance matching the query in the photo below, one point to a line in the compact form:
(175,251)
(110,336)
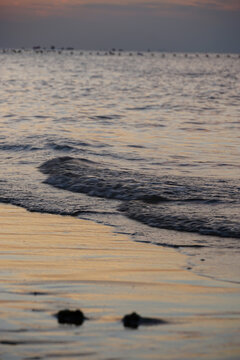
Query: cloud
(74,8)
(182,25)
(162,6)
(222,5)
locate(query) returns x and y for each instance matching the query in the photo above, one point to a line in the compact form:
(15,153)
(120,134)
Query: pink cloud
(68,8)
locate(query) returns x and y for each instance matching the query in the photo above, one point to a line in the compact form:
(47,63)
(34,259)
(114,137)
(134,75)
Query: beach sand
(50,262)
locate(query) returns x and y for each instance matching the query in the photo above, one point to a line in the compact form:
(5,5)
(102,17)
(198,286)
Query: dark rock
(131,320)
(134,321)
(70,317)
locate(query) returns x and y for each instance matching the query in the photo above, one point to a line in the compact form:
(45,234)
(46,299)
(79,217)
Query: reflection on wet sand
(49,263)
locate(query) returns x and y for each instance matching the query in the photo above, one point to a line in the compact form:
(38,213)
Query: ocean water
(147,143)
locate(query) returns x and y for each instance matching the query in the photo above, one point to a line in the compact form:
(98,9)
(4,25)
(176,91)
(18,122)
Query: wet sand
(49,263)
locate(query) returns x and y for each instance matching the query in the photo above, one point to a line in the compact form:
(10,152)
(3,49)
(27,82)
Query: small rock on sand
(75,317)
(134,321)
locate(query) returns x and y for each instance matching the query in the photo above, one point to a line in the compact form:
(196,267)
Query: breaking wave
(205,206)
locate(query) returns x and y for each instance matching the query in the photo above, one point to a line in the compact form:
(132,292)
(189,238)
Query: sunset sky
(168,25)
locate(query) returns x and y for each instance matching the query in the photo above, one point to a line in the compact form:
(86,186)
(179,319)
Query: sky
(165,25)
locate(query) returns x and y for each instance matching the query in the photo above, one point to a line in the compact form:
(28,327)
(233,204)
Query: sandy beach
(49,263)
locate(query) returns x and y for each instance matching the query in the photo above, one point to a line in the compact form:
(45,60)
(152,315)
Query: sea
(148,143)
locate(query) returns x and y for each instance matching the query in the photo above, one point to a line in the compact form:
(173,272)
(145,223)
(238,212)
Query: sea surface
(148,143)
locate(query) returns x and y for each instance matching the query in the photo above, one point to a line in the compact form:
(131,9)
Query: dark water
(175,203)
(142,143)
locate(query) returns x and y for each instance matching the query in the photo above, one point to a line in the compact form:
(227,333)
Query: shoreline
(50,262)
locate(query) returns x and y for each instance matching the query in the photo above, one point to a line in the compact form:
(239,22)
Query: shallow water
(150,138)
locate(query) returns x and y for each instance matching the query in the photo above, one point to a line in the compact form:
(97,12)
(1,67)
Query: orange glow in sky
(68,7)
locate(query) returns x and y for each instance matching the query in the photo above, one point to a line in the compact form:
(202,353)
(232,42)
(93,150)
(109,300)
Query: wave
(205,206)
(18,147)
(204,219)
(106,117)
